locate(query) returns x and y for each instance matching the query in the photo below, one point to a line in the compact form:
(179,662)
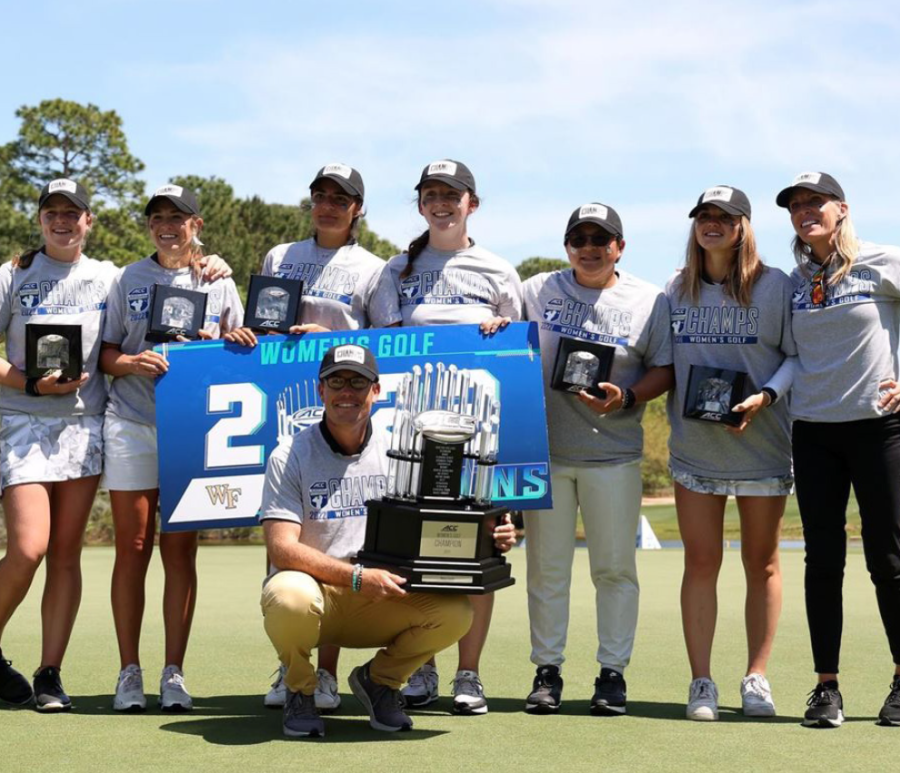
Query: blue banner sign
(222,408)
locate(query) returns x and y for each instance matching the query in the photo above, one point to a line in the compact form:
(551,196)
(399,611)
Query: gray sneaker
(300,717)
(383,704)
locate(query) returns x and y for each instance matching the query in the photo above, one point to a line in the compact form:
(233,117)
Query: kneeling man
(314,518)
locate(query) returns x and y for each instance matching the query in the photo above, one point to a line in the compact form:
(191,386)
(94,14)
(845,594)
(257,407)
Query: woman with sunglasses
(339,279)
(130,449)
(595,450)
(732,312)
(845,321)
(444,278)
(50,433)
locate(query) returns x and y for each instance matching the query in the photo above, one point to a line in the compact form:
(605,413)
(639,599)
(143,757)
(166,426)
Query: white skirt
(130,458)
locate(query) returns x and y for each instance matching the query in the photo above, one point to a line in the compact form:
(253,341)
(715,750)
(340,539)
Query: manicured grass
(230,660)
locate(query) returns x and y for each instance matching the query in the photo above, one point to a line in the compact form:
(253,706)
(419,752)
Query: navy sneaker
(609,694)
(546,691)
(826,707)
(49,695)
(890,712)
(14,688)
(385,706)
(300,717)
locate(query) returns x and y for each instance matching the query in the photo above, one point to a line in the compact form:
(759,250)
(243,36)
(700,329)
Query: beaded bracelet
(356,578)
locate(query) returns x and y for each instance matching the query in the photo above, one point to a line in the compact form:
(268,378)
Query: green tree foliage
(655,465)
(532,266)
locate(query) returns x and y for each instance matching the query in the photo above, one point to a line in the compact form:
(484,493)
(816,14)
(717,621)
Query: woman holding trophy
(596,442)
(130,458)
(731,339)
(444,278)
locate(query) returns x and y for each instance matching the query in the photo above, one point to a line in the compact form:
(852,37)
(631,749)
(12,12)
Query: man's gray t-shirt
(716,331)
(132,397)
(456,287)
(633,317)
(310,483)
(52,292)
(849,346)
(338,285)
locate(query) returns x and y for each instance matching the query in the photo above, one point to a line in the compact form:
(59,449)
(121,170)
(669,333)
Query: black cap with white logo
(728,199)
(813,181)
(183,199)
(73,191)
(347,177)
(606,217)
(351,357)
(455,173)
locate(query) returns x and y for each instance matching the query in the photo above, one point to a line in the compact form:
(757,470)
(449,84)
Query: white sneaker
(172,693)
(468,694)
(130,690)
(277,694)
(327,698)
(756,696)
(422,688)
(703,700)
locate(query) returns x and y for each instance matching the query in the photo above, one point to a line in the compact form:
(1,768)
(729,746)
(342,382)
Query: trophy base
(438,548)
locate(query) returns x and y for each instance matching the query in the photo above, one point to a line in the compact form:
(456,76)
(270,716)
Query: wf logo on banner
(222,408)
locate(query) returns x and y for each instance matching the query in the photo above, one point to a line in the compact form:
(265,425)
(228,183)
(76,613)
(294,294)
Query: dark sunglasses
(357,383)
(596,239)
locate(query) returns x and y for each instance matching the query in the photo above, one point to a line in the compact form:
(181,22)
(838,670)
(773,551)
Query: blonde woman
(730,311)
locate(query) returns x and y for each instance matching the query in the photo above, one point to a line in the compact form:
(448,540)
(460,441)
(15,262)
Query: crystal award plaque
(175,311)
(53,347)
(273,304)
(712,393)
(581,365)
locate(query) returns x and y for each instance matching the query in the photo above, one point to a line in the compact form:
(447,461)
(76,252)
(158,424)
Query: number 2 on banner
(224,398)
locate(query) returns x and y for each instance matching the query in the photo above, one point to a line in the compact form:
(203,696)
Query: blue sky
(552,105)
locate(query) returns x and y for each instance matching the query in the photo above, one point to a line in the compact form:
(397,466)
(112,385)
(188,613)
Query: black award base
(438,547)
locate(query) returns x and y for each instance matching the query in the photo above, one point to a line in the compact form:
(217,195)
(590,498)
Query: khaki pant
(302,613)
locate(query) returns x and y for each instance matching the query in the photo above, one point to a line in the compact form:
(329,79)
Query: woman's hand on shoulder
(211,268)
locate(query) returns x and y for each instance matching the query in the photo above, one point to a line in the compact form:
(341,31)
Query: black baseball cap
(813,181)
(606,217)
(73,191)
(728,199)
(352,357)
(183,199)
(455,173)
(347,177)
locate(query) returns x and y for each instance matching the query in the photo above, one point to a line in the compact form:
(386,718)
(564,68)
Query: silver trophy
(272,304)
(53,352)
(177,312)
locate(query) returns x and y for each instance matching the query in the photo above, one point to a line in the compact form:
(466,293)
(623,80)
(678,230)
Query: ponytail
(25,260)
(416,246)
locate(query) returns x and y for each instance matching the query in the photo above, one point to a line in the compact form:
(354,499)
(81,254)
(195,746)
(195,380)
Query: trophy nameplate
(53,347)
(581,365)
(712,393)
(273,304)
(436,524)
(174,312)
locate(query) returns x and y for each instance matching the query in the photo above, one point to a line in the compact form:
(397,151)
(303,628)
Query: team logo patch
(553,309)
(678,320)
(169,190)
(410,287)
(318,494)
(350,353)
(139,299)
(284,271)
(442,167)
(62,185)
(593,210)
(341,170)
(807,177)
(718,194)
(29,296)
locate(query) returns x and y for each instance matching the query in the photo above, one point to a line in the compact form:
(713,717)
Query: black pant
(827,459)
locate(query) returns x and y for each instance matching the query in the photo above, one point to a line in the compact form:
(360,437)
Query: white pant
(609,496)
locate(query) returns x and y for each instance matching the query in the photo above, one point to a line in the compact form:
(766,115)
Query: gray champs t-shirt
(448,288)
(633,317)
(133,397)
(325,491)
(55,292)
(849,346)
(718,332)
(338,285)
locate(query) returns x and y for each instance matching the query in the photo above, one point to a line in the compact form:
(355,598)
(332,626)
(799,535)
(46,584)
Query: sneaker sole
(53,708)
(25,702)
(133,708)
(363,697)
(542,708)
(298,734)
(758,711)
(825,722)
(605,710)
(705,716)
(328,709)
(464,710)
(885,722)
(176,708)
(418,701)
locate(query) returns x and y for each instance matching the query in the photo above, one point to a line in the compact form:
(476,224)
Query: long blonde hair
(846,250)
(745,269)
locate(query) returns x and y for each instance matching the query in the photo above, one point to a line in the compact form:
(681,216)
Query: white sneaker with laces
(468,694)
(703,700)
(422,687)
(277,694)
(756,696)
(327,698)
(172,693)
(130,690)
